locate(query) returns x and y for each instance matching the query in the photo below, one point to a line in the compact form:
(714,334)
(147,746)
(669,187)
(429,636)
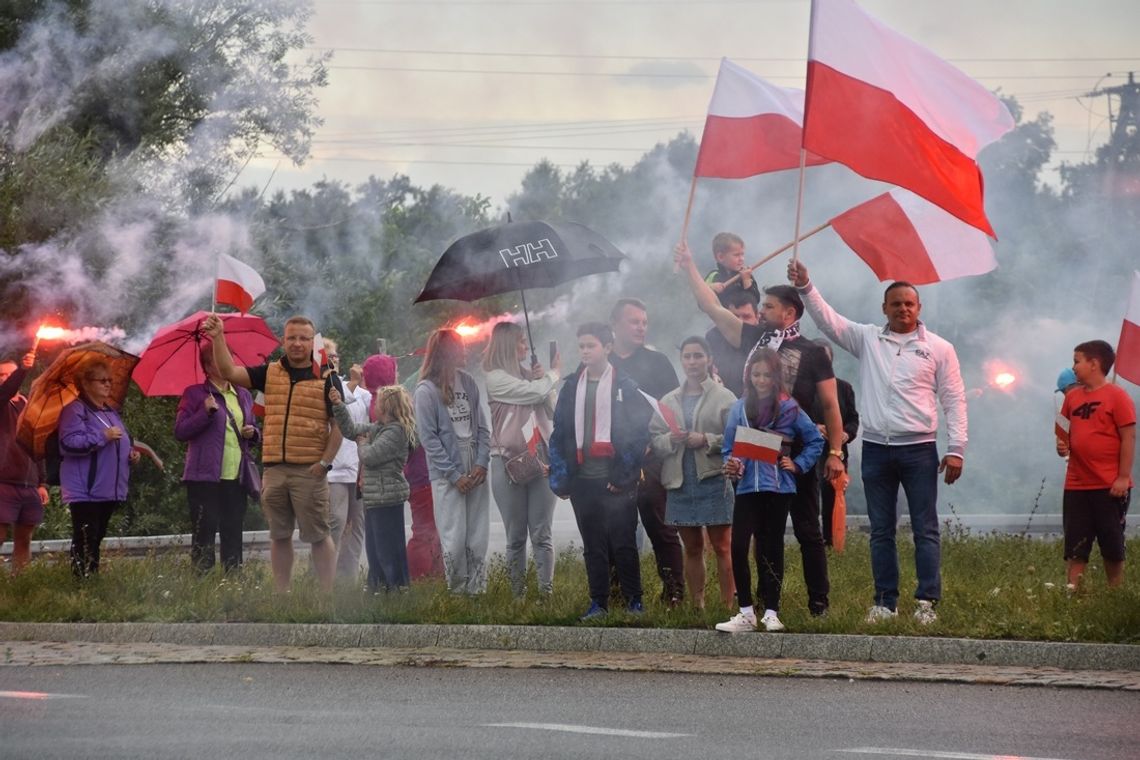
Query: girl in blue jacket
(764,490)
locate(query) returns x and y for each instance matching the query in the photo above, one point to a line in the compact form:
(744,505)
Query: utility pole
(1124,142)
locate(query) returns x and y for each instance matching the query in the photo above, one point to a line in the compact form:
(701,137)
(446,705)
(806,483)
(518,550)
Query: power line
(629,75)
(764,59)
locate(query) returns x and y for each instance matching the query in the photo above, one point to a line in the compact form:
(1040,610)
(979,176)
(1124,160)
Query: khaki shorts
(291,495)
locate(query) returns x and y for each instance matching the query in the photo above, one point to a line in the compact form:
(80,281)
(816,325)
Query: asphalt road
(322,711)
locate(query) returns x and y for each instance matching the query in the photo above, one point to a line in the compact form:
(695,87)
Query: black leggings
(89,521)
(763,516)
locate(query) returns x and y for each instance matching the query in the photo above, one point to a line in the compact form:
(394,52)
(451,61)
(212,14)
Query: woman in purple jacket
(216,419)
(95,458)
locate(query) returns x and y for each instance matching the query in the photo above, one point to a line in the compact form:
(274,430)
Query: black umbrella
(517,256)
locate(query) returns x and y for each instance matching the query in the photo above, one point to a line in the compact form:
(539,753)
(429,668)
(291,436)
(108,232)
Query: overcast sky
(471,93)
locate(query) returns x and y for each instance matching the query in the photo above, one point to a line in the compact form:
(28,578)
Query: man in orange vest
(299,443)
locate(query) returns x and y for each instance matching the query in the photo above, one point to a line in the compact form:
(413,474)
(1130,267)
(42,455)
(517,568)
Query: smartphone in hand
(553,352)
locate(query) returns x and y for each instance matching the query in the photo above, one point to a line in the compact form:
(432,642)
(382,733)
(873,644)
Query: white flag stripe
(739,93)
(573,729)
(1133,313)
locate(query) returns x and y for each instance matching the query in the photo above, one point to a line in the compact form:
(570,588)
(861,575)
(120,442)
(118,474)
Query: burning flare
(1001,376)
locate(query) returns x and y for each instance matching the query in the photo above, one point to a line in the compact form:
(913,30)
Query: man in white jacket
(905,372)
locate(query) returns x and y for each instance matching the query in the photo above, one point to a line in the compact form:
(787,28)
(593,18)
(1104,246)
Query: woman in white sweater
(521,401)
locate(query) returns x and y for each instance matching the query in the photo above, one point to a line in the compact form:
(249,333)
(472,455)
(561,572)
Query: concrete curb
(846,648)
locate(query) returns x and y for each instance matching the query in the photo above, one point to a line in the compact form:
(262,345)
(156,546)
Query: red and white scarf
(602,445)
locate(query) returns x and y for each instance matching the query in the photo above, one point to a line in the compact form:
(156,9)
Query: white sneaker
(924,613)
(738,623)
(771,622)
(878,614)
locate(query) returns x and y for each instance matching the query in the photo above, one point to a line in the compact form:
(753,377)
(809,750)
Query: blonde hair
(396,405)
(502,352)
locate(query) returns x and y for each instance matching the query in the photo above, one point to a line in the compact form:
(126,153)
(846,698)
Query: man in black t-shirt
(654,374)
(810,380)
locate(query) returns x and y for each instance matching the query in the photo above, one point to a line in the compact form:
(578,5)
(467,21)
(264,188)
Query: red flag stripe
(233,294)
(1128,352)
(880,233)
(738,147)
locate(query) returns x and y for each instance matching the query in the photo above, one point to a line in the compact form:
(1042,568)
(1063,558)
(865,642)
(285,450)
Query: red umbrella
(170,362)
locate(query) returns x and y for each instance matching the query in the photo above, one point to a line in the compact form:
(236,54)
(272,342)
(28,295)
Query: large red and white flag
(751,443)
(238,284)
(1128,348)
(752,127)
(902,237)
(892,110)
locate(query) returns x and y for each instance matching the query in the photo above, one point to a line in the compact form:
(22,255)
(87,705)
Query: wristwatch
(326,465)
(836,453)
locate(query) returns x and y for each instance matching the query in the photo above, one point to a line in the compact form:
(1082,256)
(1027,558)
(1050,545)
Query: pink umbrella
(170,362)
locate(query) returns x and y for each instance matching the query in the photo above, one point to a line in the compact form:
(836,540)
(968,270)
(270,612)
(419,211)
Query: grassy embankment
(994,586)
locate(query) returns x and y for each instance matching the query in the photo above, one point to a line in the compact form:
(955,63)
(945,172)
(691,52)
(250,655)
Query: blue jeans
(915,468)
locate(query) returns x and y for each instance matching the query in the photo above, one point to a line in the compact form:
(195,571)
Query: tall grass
(994,586)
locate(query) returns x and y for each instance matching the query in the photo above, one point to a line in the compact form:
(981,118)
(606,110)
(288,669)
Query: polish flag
(751,443)
(1128,348)
(238,284)
(1061,427)
(902,237)
(891,110)
(320,356)
(259,404)
(532,434)
(752,127)
(662,411)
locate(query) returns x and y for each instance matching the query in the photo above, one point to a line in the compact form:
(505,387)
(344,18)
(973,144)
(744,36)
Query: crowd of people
(621,437)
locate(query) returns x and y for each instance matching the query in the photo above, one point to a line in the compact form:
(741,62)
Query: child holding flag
(763,430)
(1100,442)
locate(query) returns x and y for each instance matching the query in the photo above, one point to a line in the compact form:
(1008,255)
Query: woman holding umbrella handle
(521,400)
(94,472)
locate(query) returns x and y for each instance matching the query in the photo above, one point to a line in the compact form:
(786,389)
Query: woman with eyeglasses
(95,458)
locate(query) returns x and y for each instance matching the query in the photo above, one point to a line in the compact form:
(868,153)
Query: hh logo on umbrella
(528,253)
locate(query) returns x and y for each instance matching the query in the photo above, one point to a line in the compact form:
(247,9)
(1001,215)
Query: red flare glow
(48,332)
(1001,375)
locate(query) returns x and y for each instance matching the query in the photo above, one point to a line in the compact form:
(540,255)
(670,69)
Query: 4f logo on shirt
(528,253)
(1085,410)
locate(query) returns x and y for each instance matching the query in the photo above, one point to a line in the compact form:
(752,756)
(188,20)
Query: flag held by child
(238,284)
(762,445)
(892,110)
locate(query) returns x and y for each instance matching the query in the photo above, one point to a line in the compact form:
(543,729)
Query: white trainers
(878,614)
(924,613)
(771,622)
(738,623)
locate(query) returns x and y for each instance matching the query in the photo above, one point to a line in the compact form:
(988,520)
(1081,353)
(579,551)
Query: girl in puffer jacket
(383,455)
(764,490)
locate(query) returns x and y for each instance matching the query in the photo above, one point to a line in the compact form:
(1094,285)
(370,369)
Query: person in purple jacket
(94,470)
(216,419)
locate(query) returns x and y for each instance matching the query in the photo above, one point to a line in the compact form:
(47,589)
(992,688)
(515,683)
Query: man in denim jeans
(905,372)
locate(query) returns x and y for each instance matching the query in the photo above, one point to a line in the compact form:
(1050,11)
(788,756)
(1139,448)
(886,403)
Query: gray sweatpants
(526,509)
(346,522)
(464,525)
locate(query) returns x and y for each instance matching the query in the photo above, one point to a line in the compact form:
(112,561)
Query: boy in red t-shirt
(1100,444)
